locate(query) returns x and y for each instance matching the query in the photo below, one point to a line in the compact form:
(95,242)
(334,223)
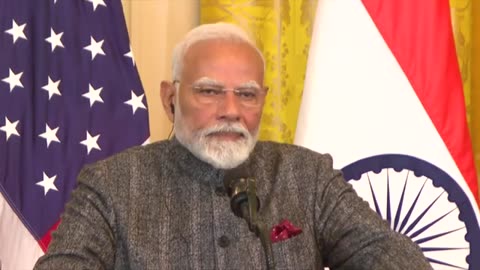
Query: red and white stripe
(18,248)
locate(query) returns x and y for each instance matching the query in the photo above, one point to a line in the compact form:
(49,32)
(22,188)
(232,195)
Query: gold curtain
(466,25)
(282,30)
(475,90)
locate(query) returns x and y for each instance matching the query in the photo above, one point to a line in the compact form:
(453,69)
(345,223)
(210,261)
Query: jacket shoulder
(135,154)
(292,153)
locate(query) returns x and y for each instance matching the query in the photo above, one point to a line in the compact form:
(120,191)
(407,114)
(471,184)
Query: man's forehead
(217,60)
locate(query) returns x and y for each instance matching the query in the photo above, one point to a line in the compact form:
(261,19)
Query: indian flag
(383,95)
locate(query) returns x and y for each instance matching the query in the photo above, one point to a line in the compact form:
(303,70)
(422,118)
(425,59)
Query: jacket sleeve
(351,235)
(85,237)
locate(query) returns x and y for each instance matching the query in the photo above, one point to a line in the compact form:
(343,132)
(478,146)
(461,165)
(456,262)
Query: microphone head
(234,180)
(240,186)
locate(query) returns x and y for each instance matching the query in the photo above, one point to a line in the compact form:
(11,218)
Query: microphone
(242,190)
(243,198)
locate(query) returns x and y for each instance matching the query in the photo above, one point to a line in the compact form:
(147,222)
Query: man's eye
(209,91)
(247,93)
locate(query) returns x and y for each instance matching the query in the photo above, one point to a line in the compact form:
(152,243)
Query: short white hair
(214,31)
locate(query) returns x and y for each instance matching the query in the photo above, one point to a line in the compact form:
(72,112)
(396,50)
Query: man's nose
(229,107)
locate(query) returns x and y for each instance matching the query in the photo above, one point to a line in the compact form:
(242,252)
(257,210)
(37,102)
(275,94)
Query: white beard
(218,153)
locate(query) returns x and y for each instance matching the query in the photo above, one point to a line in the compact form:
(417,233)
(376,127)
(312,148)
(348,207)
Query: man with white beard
(164,205)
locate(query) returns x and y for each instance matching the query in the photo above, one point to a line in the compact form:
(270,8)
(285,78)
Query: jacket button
(223,241)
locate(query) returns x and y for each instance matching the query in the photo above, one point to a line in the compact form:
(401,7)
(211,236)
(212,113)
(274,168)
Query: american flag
(70,94)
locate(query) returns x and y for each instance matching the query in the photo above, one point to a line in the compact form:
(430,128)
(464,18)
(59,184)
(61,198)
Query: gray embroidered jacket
(159,207)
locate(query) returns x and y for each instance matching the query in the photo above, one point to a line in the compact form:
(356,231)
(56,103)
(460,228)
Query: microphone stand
(248,211)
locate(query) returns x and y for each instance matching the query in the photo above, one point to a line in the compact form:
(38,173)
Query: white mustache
(224,127)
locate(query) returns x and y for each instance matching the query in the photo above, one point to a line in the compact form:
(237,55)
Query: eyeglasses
(248,96)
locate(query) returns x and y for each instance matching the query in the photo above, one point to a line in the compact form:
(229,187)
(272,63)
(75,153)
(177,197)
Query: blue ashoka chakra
(423,202)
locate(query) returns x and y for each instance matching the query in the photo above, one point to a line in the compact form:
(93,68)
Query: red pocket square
(283,231)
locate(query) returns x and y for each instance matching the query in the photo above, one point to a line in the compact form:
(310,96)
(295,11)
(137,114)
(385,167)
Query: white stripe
(18,248)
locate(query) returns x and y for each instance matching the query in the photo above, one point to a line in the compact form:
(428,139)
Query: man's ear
(167,93)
